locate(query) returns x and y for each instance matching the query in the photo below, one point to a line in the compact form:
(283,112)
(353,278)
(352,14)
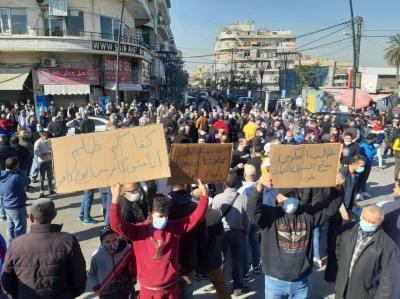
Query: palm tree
(392,54)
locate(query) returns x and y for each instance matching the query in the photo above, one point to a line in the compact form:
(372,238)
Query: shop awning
(13,78)
(66,89)
(125,87)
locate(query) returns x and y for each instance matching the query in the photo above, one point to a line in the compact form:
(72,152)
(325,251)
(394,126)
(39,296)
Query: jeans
(105,195)
(233,240)
(2,211)
(34,169)
(46,168)
(379,155)
(252,241)
(86,204)
(16,222)
(217,279)
(316,241)
(281,289)
(362,181)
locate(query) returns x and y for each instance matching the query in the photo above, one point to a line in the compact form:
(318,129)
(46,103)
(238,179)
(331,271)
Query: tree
(392,55)
(306,77)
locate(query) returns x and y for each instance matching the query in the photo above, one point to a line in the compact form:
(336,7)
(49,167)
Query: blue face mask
(368,228)
(290,205)
(160,223)
(360,169)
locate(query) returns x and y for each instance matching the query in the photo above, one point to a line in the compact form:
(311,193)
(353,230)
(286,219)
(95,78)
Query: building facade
(66,50)
(244,53)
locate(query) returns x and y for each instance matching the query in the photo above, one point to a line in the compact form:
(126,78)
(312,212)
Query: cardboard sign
(209,162)
(305,166)
(88,161)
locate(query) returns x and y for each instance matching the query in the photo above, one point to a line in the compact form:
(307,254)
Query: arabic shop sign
(113,47)
(59,76)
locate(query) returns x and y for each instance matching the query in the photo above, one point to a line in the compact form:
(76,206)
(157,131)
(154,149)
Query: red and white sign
(68,76)
(125,73)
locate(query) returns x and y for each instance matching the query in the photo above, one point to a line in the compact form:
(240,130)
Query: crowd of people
(159,238)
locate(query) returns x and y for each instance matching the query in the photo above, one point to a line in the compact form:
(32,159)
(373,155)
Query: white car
(99,123)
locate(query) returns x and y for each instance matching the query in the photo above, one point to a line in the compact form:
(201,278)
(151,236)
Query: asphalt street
(380,186)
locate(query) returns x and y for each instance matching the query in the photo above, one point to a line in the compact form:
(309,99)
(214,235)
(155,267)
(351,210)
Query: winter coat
(12,189)
(45,263)
(368,150)
(6,152)
(375,273)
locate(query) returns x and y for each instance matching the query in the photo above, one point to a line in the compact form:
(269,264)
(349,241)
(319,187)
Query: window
(109,28)
(54,26)
(13,21)
(75,23)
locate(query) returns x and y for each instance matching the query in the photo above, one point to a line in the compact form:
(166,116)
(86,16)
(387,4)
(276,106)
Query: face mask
(347,143)
(360,169)
(160,223)
(133,197)
(290,205)
(368,228)
(259,134)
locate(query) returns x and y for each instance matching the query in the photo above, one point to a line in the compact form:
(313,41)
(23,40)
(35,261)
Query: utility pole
(284,58)
(232,74)
(354,81)
(118,53)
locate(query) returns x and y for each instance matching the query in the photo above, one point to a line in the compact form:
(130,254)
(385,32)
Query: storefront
(68,85)
(15,84)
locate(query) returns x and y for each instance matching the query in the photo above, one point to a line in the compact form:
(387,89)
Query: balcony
(141,11)
(40,40)
(163,6)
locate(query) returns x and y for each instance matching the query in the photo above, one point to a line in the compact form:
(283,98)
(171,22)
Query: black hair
(349,134)
(356,159)
(231,179)
(11,163)
(371,136)
(161,204)
(106,231)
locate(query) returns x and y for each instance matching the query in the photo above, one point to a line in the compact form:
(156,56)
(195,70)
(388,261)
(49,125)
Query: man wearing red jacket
(156,243)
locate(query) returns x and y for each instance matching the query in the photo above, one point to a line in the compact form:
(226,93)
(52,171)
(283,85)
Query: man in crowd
(45,263)
(368,150)
(350,149)
(286,240)
(368,260)
(232,207)
(57,127)
(13,186)
(156,242)
(42,150)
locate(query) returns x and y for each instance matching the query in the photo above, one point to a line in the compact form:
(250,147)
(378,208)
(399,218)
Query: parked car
(99,123)
(246,101)
(203,96)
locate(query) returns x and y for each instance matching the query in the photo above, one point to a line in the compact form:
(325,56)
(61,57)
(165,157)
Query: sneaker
(366,194)
(34,181)
(240,292)
(41,194)
(246,277)
(200,276)
(257,270)
(90,221)
(80,219)
(318,263)
(52,192)
(359,197)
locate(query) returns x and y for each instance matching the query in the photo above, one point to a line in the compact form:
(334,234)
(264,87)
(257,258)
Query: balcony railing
(134,37)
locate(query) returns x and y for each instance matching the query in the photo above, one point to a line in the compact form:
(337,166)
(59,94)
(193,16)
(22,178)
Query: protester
(349,150)
(110,274)
(42,150)
(232,207)
(57,127)
(369,151)
(13,186)
(368,260)
(45,263)
(286,241)
(156,242)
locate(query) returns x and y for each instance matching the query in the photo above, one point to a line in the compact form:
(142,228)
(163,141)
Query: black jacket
(57,128)
(286,239)
(87,125)
(23,155)
(375,274)
(45,263)
(6,152)
(348,152)
(191,242)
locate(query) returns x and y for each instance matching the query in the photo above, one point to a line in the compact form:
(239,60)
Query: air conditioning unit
(49,62)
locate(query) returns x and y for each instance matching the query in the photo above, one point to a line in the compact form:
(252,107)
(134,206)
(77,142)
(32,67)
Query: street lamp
(118,53)
(261,70)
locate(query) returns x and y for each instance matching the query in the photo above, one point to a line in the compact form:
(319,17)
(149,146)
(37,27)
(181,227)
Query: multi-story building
(66,50)
(243,51)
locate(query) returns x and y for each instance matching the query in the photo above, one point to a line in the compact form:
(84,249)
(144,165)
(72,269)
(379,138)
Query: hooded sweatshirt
(112,274)
(12,189)
(368,150)
(286,239)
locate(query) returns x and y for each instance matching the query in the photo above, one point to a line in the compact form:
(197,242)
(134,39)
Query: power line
(319,39)
(328,44)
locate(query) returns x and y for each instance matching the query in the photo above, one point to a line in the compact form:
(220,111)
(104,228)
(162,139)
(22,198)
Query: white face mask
(132,197)
(347,142)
